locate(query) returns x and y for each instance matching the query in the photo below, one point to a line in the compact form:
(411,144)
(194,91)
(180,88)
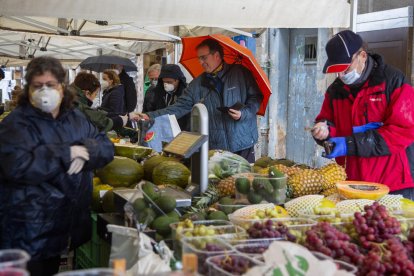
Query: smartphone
(236,106)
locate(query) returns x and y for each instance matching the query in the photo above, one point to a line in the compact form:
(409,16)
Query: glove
(124,119)
(76,166)
(339,148)
(79,152)
(369,126)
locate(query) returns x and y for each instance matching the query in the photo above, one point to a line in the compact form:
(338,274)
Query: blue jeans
(407,193)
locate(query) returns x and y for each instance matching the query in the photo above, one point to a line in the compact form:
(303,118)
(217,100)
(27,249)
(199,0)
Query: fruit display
(187,224)
(205,247)
(121,172)
(228,185)
(200,230)
(306,182)
(256,187)
(171,172)
(132,151)
(230,264)
(361,190)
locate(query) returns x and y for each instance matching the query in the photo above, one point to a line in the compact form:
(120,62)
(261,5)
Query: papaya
(361,190)
(121,172)
(132,151)
(152,162)
(171,172)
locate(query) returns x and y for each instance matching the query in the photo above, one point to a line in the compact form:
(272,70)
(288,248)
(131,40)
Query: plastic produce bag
(285,259)
(138,251)
(222,164)
(164,129)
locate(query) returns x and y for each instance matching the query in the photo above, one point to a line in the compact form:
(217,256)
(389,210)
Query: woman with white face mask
(113,94)
(170,86)
(48,153)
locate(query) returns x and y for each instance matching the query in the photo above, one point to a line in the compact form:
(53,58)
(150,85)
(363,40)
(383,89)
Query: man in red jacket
(368,116)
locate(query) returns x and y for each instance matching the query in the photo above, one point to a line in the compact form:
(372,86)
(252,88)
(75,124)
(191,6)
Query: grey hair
(154,67)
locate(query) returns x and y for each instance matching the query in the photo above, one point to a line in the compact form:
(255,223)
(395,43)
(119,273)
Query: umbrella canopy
(101,63)
(233,53)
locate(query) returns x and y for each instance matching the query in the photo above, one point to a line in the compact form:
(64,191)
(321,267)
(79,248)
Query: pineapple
(227,186)
(306,182)
(330,191)
(332,174)
(289,171)
(209,197)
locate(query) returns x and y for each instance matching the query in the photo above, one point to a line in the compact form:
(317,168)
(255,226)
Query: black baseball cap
(340,50)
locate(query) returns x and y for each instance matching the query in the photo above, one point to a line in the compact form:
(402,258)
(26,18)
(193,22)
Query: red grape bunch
(236,265)
(376,225)
(270,229)
(328,240)
(389,258)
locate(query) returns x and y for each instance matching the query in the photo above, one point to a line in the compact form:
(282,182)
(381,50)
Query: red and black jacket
(384,155)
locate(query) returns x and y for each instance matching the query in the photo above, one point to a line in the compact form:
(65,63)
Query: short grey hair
(154,67)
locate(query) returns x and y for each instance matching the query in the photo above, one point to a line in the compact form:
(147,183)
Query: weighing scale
(192,145)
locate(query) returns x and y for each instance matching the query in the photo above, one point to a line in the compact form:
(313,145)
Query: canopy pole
(354,14)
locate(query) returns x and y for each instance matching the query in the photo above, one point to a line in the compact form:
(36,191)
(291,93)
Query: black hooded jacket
(157,98)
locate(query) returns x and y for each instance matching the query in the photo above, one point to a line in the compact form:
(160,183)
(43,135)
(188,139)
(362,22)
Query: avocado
(261,183)
(166,203)
(243,185)
(263,161)
(254,198)
(147,215)
(162,224)
(139,204)
(217,215)
(277,197)
(173,214)
(150,192)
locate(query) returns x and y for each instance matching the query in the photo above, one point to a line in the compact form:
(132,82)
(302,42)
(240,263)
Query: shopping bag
(164,129)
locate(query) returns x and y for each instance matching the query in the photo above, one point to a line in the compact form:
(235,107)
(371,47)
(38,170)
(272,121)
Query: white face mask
(104,84)
(168,87)
(351,77)
(46,99)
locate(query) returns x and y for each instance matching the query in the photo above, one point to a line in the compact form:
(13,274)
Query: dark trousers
(47,267)
(407,193)
(247,154)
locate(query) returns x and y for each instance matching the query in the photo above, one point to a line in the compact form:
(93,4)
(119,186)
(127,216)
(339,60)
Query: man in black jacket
(171,84)
(130,98)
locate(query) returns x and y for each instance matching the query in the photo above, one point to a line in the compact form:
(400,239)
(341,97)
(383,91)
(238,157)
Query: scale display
(185,144)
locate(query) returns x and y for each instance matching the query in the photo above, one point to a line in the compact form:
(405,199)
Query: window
(311,44)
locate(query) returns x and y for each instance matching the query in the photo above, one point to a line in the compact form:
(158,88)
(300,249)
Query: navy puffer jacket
(42,208)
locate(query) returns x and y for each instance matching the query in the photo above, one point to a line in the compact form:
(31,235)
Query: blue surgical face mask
(350,77)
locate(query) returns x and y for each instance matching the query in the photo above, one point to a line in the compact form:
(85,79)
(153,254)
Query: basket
(216,270)
(198,245)
(91,272)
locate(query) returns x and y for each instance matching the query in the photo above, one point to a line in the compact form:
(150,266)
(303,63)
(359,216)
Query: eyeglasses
(204,57)
(50,84)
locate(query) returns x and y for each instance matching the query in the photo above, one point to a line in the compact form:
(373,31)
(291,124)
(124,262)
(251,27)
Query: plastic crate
(197,246)
(217,270)
(94,253)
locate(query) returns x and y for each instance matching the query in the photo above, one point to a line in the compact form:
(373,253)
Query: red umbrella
(233,53)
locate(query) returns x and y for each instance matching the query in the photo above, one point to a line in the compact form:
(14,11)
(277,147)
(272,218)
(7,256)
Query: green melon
(152,162)
(171,172)
(132,151)
(121,172)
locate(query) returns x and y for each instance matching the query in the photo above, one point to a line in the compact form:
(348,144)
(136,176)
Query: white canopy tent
(72,30)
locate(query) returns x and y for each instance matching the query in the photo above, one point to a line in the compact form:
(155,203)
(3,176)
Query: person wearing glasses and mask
(170,86)
(367,116)
(221,85)
(151,78)
(48,153)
